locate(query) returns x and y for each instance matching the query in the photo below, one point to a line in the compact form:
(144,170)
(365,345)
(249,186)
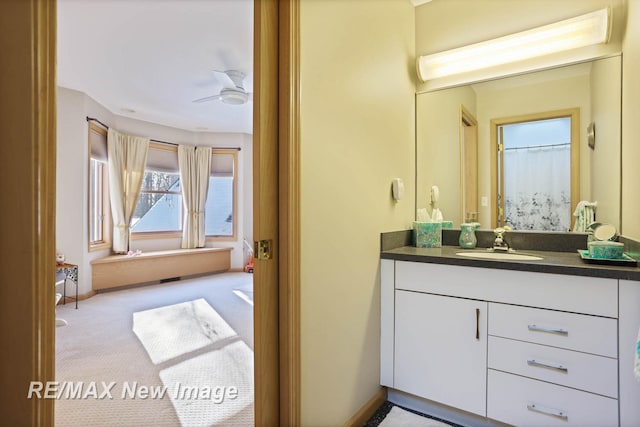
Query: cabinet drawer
(589,334)
(578,294)
(525,402)
(574,369)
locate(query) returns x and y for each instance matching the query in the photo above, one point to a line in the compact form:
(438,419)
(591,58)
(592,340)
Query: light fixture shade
(585,30)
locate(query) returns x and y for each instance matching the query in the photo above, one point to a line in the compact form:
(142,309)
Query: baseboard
(369,408)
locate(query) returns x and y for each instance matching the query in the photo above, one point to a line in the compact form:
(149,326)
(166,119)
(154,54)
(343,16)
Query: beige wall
(631,124)
(438,148)
(605,182)
(357,134)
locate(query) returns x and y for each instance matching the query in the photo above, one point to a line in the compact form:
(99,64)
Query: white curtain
(537,188)
(195,170)
(127,158)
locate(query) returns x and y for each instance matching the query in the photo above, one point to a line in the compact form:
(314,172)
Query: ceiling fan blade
(207,98)
(224,78)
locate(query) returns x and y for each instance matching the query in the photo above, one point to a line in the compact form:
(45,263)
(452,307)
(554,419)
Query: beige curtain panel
(127,158)
(195,170)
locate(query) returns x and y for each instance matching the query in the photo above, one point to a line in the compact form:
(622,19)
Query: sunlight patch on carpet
(171,331)
(215,388)
(245,296)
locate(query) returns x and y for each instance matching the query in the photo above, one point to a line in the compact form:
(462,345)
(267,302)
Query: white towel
(585,214)
(636,366)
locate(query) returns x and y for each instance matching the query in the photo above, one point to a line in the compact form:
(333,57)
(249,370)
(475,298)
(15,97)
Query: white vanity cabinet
(441,349)
(519,347)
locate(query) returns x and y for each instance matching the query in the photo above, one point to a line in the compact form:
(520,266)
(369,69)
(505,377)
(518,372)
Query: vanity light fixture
(585,30)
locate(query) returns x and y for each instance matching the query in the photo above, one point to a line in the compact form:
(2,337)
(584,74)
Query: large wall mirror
(524,150)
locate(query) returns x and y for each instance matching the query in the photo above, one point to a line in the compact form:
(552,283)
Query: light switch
(484,201)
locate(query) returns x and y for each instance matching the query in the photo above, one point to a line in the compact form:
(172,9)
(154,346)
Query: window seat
(122,270)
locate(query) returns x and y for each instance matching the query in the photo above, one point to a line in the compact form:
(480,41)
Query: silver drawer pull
(537,328)
(558,367)
(548,411)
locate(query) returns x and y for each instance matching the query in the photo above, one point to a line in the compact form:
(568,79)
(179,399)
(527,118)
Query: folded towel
(585,214)
(636,366)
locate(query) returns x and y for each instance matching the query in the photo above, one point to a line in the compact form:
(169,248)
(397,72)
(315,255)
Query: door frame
(27,259)
(28,193)
(277,211)
(468,135)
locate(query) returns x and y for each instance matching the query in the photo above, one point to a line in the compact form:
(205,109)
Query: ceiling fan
(232,91)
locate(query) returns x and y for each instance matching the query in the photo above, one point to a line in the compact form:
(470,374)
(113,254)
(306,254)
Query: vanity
(475,341)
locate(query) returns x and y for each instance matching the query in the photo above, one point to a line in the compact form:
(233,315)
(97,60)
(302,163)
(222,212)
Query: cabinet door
(441,349)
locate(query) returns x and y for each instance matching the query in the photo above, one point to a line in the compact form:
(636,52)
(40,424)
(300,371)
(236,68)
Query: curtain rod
(93,119)
(564,144)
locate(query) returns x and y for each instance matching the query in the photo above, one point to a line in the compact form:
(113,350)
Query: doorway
(469,166)
(537,177)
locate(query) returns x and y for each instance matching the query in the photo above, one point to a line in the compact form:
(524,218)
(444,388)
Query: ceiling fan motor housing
(234,96)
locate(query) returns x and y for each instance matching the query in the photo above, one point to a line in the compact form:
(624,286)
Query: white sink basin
(500,255)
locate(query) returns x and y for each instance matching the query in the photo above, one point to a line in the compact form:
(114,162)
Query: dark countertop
(569,263)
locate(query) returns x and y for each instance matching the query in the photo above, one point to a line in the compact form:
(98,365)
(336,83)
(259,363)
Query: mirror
(455,133)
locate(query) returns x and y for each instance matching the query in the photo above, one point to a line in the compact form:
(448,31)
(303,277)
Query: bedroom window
(159,207)
(159,211)
(221,208)
(98,209)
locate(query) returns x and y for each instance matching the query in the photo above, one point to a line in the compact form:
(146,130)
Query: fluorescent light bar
(585,30)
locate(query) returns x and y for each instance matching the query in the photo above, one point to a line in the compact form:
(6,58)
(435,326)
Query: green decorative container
(605,249)
(427,234)
(447,224)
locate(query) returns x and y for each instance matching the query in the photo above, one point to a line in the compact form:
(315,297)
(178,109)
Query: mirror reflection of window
(536,168)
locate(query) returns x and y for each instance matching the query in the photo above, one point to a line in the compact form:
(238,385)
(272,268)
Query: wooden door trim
(289,206)
(276,148)
(28,165)
(467,120)
(265,221)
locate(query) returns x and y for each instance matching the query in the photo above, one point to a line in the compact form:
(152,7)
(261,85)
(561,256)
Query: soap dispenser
(468,238)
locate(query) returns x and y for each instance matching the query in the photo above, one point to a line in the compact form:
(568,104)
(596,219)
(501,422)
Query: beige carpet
(206,350)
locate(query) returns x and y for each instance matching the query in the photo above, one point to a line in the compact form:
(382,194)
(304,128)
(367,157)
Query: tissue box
(447,224)
(605,249)
(427,234)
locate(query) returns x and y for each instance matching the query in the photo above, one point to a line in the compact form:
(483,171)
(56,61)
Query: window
(160,207)
(220,210)
(99,233)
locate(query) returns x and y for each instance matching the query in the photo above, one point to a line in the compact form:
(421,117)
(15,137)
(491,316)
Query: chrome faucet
(500,244)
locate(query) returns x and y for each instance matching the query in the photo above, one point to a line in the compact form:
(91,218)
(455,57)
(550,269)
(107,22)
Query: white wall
(357,134)
(72,179)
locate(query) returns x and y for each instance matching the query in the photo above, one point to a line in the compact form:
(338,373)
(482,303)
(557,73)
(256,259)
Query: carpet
(100,345)
(398,417)
(209,374)
(170,331)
